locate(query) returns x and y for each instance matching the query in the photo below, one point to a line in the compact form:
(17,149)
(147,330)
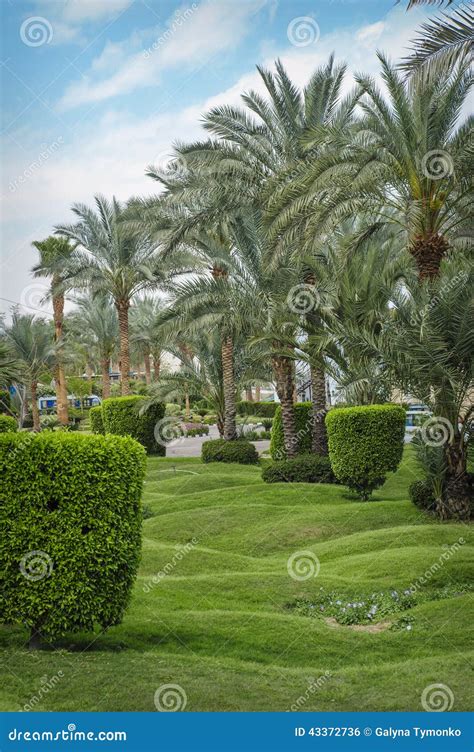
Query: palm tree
(112,258)
(31,341)
(97,320)
(405,161)
(55,254)
(441,43)
(144,324)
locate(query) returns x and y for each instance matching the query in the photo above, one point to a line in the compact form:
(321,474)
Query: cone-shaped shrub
(7,424)
(365,443)
(123,416)
(70,516)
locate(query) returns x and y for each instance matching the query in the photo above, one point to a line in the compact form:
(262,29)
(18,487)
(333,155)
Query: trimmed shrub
(239,450)
(7,424)
(5,401)
(365,443)
(303,418)
(195,429)
(422,496)
(308,468)
(71,516)
(97,424)
(121,416)
(263,409)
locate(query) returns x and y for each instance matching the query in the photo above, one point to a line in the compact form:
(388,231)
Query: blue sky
(93,91)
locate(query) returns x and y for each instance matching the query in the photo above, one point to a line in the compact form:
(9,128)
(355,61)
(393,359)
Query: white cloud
(192,36)
(370,33)
(69,18)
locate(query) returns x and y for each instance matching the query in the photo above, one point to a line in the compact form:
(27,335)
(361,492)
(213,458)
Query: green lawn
(220,623)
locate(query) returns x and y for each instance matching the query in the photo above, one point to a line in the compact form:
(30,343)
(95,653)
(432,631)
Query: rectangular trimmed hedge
(70,516)
(122,416)
(303,419)
(261,409)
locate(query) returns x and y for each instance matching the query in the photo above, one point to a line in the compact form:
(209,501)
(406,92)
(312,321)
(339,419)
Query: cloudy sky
(93,91)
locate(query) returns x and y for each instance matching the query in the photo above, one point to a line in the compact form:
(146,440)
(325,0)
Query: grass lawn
(220,623)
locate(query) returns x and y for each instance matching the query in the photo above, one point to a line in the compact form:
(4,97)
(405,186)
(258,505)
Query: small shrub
(267,423)
(97,424)
(195,429)
(265,435)
(173,409)
(70,515)
(364,444)
(422,496)
(7,424)
(123,417)
(49,422)
(303,419)
(210,420)
(251,435)
(239,450)
(308,468)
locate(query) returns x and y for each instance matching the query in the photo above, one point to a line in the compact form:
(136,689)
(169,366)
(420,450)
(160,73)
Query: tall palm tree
(31,341)
(55,254)
(97,319)
(405,161)
(442,42)
(112,258)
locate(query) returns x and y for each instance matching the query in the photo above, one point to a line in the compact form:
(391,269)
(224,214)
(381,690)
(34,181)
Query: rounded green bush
(97,424)
(421,494)
(122,416)
(5,401)
(303,419)
(365,443)
(70,516)
(308,468)
(7,424)
(239,450)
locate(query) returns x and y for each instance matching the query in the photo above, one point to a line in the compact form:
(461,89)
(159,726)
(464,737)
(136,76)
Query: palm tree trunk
(187,406)
(257,394)
(456,500)
(428,251)
(283,370)
(156,364)
(60,379)
(34,407)
(122,311)
(146,358)
(227,352)
(105,368)
(319,443)
(248,394)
